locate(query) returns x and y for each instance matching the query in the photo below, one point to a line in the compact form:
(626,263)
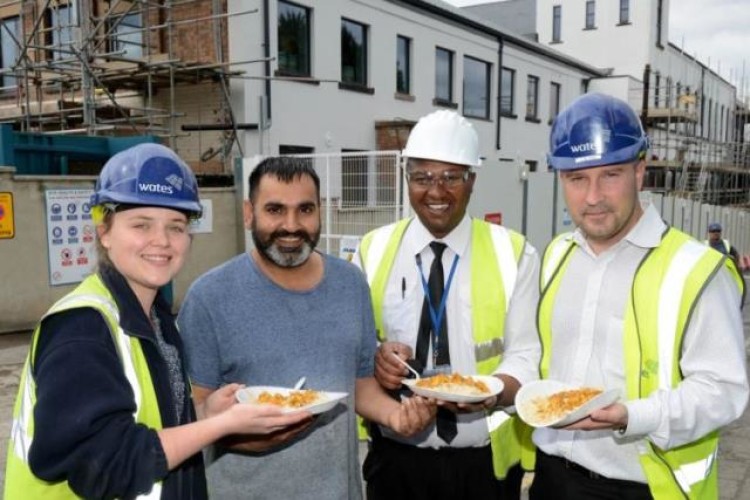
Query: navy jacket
(84,430)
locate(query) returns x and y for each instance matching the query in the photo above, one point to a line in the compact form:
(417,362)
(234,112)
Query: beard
(280,255)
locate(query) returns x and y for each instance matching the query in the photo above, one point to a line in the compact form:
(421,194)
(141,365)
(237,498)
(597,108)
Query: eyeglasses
(425,180)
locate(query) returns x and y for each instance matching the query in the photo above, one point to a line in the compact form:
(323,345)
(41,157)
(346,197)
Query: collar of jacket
(133,319)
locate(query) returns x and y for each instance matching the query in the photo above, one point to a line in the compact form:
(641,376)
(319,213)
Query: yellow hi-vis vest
(667,284)
(20,481)
(495,253)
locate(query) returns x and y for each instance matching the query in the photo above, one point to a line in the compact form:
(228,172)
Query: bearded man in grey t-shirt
(281,312)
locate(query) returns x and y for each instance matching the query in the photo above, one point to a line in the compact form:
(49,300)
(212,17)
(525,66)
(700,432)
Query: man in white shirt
(480,321)
(632,304)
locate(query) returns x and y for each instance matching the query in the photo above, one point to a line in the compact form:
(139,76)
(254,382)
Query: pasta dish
(554,407)
(455,384)
(294,399)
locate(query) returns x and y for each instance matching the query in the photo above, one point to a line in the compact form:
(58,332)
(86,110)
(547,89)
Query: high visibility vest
(20,482)
(495,254)
(725,244)
(666,287)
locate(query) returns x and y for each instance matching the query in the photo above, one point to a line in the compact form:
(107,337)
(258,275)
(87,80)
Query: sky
(715,29)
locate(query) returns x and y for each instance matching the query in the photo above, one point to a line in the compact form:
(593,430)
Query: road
(734,451)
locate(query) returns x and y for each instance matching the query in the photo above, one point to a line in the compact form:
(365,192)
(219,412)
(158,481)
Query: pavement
(734,448)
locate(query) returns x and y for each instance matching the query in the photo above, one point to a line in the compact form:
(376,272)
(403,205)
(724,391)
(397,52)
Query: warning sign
(7,221)
(70,235)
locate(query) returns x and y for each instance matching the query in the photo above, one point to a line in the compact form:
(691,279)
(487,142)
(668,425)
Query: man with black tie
(450,294)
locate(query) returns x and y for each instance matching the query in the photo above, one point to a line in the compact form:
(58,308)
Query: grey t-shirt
(238,326)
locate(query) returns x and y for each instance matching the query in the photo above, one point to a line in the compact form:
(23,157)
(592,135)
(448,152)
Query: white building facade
(336,71)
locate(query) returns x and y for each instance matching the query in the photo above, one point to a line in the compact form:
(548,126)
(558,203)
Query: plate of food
(290,400)
(456,388)
(550,403)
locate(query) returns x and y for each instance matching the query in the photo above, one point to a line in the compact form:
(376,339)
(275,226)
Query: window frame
(62,37)
(532,82)
(440,100)
(121,41)
(485,114)
(624,12)
(556,23)
(304,55)
(659,21)
(8,80)
(363,79)
(590,15)
(405,88)
(555,93)
(504,111)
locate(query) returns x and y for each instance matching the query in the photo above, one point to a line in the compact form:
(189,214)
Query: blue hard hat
(150,175)
(595,130)
(714,226)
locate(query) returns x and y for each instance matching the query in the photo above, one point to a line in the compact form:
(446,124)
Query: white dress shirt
(587,350)
(402,307)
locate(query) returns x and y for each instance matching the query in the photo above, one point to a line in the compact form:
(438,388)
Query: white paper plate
(544,388)
(494,384)
(326,401)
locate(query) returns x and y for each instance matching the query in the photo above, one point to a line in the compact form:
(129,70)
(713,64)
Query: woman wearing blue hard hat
(633,306)
(104,407)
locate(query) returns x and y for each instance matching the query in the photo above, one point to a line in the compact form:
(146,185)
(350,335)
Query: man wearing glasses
(451,294)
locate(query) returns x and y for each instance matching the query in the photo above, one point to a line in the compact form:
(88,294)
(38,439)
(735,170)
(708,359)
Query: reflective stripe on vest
(496,252)
(20,481)
(666,287)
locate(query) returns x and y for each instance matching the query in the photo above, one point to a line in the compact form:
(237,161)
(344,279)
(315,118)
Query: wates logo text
(155,188)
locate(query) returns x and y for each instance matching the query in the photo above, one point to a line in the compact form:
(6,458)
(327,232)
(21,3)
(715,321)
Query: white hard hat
(444,136)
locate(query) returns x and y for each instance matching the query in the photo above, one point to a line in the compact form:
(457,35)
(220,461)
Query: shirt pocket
(613,362)
(401,313)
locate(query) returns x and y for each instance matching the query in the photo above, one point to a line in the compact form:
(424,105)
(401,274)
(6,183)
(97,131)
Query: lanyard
(436,316)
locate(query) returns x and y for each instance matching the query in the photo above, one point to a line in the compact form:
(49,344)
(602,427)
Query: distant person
(632,304)
(104,408)
(720,244)
(277,313)
(451,294)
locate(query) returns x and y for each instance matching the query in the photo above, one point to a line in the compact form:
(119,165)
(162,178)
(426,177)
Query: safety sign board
(70,235)
(7,221)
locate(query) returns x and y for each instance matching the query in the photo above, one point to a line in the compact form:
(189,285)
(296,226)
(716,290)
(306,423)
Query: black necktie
(446,419)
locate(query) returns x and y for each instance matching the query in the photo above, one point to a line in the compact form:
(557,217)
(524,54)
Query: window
(532,98)
(556,23)
(127,36)
(554,100)
(353,53)
(476,88)
(8,48)
(507,91)
(294,39)
(354,179)
(61,23)
(657,89)
(403,65)
(288,149)
(624,11)
(531,165)
(443,75)
(659,11)
(590,14)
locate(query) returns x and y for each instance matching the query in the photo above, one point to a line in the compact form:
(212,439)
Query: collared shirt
(402,306)
(587,350)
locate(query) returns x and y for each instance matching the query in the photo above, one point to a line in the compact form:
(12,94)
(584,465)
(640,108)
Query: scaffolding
(699,150)
(115,67)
